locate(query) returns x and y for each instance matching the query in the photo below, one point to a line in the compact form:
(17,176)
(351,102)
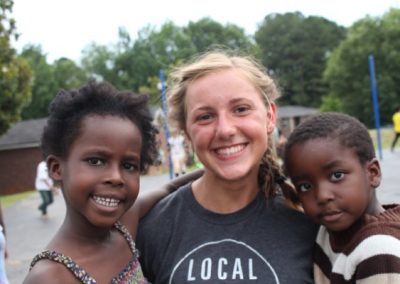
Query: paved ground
(28,233)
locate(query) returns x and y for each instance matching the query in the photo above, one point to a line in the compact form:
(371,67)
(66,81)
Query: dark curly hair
(69,108)
(349,131)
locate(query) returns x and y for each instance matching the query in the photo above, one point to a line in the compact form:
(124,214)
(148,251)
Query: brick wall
(18,170)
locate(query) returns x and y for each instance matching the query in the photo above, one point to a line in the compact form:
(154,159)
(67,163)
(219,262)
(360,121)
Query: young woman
(232,225)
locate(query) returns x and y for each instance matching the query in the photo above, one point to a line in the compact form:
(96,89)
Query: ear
(55,168)
(374,173)
(271,118)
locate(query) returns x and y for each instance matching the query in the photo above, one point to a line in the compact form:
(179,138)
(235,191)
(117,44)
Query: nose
(225,126)
(114,175)
(323,194)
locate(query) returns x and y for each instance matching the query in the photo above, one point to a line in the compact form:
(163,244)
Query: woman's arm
(147,199)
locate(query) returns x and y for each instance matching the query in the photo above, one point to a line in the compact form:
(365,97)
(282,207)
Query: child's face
(335,189)
(100,176)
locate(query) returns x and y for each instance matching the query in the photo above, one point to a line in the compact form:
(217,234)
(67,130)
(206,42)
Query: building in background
(291,116)
(19,154)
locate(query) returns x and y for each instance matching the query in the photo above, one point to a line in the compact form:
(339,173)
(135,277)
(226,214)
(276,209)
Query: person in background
(330,158)
(3,250)
(232,225)
(396,127)
(45,186)
(176,145)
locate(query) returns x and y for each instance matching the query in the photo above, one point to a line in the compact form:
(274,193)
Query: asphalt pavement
(28,232)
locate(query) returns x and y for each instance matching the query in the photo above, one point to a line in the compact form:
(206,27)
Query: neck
(375,208)
(224,197)
(79,228)
(77,242)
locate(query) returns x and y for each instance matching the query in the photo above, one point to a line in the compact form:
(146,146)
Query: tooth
(230,150)
(106,201)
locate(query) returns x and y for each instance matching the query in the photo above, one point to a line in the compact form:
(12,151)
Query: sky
(63,28)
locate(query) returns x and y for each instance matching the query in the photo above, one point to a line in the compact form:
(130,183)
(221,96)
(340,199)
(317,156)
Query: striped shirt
(368,252)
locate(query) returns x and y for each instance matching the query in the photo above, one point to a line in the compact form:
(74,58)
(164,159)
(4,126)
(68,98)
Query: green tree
(347,72)
(137,61)
(15,73)
(67,74)
(128,64)
(44,87)
(48,80)
(135,64)
(99,61)
(295,48)
(207,33)
(171,45)
(152,89)
(331,103)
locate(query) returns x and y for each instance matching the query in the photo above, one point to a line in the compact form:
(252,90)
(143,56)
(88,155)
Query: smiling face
(335,189)
(228,124)
(100,175)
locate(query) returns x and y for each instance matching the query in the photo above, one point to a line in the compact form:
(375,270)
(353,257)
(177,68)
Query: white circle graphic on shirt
(223,261)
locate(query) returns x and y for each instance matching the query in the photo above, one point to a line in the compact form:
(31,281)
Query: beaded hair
(69,108)
(349,131)
(270,171)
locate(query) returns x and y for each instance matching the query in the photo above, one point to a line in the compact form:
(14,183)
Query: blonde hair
(179,80)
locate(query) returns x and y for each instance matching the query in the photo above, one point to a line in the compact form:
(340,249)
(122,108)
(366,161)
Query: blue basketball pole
(165,111)
(375,103)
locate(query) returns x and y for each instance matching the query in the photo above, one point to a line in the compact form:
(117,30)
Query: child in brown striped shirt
(330,159)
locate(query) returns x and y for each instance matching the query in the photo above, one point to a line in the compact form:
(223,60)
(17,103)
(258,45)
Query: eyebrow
(238,100)
(332,164)
(296,178)
(328,166)
(101,151)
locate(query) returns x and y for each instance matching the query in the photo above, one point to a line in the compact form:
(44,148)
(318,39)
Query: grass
(387,136)
(8,200)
